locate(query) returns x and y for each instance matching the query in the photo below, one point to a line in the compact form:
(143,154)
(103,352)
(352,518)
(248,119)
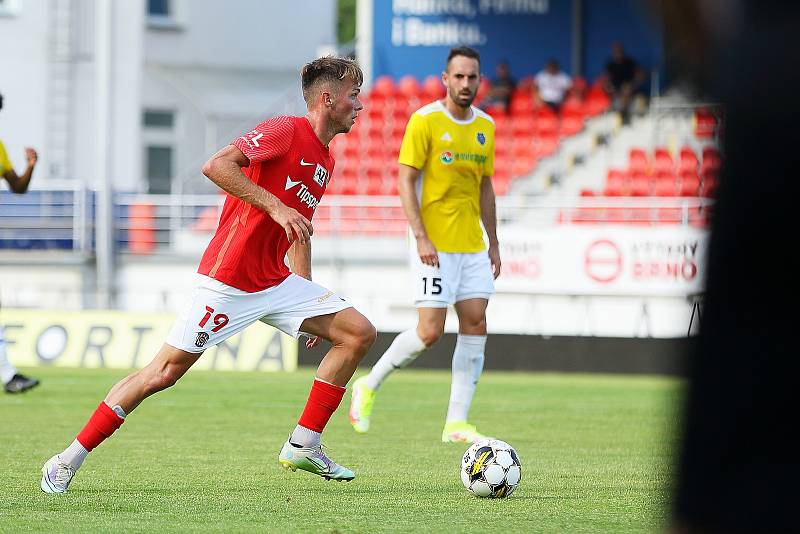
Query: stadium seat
(546,125)
(665,185)
(523,126)
(573,106)
(712,160)
(384,86)
(433,88)
(597,101)
(571,123)
(521,104)
(705,124)
(546,146)
(142,228)
(640,184)
(688,160)
(662,161)
(409,86)
(690,186)
(638,161)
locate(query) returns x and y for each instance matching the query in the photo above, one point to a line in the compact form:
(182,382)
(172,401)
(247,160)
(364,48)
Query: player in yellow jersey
(446,163)
(14,382)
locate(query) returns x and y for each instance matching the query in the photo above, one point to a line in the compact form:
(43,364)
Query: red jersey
(287,159)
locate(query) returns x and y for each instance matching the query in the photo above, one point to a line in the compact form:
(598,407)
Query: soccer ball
(491,468)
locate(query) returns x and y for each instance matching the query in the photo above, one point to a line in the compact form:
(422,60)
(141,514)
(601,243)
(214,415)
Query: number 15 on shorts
(431,285)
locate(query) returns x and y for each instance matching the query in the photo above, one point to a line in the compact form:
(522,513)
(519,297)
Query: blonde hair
(326,70)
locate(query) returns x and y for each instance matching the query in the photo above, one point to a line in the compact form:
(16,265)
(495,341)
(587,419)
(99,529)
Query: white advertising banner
(602,260)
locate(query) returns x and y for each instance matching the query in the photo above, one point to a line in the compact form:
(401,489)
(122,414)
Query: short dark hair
(329,69)
(463,51)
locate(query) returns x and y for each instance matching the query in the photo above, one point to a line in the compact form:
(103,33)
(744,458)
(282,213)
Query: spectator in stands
(623,77)
(502,85)
(551,85)
(13,381)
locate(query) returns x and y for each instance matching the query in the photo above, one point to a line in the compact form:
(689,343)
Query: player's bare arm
(299,257)
(19,183)
(225,169)
(489,219)
(405,187)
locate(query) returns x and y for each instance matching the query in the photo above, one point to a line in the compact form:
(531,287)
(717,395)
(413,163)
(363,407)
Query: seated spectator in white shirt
(551,85)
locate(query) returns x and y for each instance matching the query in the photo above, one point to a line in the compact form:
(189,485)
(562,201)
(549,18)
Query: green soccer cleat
(314,461)
(460,432)
(361,405)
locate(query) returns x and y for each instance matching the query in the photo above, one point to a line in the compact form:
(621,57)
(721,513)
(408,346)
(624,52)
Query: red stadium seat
(641,185)
(383,85)
(546,146)
(662,161)
(523,126)
(688,160)
(546,125)
(521,104)
(666,185)
(409,86)
(597,101)
(712,160)
(433,88)
(705,124)
(690,186)
(571,123)
(637,161)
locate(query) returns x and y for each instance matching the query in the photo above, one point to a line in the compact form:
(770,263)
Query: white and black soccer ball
(491,468)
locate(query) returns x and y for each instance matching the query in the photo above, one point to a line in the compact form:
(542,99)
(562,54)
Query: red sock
(322,402)
(103,422)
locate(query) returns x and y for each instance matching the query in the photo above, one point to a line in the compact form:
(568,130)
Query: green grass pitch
(596,453)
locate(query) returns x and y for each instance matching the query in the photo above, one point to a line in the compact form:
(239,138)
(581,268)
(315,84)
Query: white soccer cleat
(56,475)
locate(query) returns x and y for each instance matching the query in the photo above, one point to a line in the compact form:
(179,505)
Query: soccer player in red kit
(275,177)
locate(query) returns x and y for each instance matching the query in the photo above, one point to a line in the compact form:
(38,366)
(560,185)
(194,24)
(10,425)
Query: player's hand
(31,156)
(494,259)
(427,252)
(293,223)
(313,342)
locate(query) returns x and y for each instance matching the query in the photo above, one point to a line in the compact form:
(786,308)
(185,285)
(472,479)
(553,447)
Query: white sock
(305,437)
(404,349)
(7,371)
(467,368)
(74,455)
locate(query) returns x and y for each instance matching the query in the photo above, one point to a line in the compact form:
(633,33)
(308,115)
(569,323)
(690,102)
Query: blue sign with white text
(414,36)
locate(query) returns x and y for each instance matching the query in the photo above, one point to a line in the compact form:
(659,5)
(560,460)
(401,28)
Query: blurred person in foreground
(275,177)
(13,381)
(500,88)
(551,85)
(738,466)
(623,77)
(446,163)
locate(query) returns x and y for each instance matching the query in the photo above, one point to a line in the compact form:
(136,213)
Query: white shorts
(216,311)
(460,276)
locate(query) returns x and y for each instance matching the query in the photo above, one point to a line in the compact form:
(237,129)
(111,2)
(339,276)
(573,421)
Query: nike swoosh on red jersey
(304,163)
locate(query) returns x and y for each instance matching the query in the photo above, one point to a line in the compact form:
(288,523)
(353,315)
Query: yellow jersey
(454,156)
(5,163)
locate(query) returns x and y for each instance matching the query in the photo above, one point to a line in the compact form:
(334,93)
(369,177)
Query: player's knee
(162,379)
(429,335)
(474,328)
(365,338)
